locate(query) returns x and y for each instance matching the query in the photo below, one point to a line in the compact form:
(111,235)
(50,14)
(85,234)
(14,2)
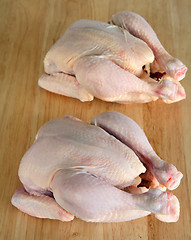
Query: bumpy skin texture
(114,62)
(93,172)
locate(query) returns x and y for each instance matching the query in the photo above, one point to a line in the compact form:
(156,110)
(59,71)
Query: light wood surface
(27,30)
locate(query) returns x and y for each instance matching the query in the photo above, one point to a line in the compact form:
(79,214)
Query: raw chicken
(94,172)
(118,62)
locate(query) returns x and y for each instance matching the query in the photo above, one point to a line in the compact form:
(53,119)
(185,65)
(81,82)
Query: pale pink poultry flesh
(94,172)
(118,62)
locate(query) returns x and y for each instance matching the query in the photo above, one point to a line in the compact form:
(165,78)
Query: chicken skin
(95,172)
(122,61)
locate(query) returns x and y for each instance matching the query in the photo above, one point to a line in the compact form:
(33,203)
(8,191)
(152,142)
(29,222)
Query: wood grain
(27,30)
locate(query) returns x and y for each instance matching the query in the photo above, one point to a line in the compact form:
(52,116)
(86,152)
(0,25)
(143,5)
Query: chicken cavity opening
(143,183)
(157,76)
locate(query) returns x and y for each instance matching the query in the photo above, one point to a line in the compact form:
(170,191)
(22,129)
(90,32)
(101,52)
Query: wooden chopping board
(27,30)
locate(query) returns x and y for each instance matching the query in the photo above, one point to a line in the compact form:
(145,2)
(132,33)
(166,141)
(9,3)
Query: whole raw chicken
(104,172)
(118,62)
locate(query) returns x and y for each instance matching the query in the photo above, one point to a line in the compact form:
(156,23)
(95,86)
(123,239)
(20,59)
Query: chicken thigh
(95,172)
(118,62)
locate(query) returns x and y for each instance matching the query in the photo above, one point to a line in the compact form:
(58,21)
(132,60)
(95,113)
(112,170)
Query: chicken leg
(105,80)
(128,132)
(140,28)
(95,200)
